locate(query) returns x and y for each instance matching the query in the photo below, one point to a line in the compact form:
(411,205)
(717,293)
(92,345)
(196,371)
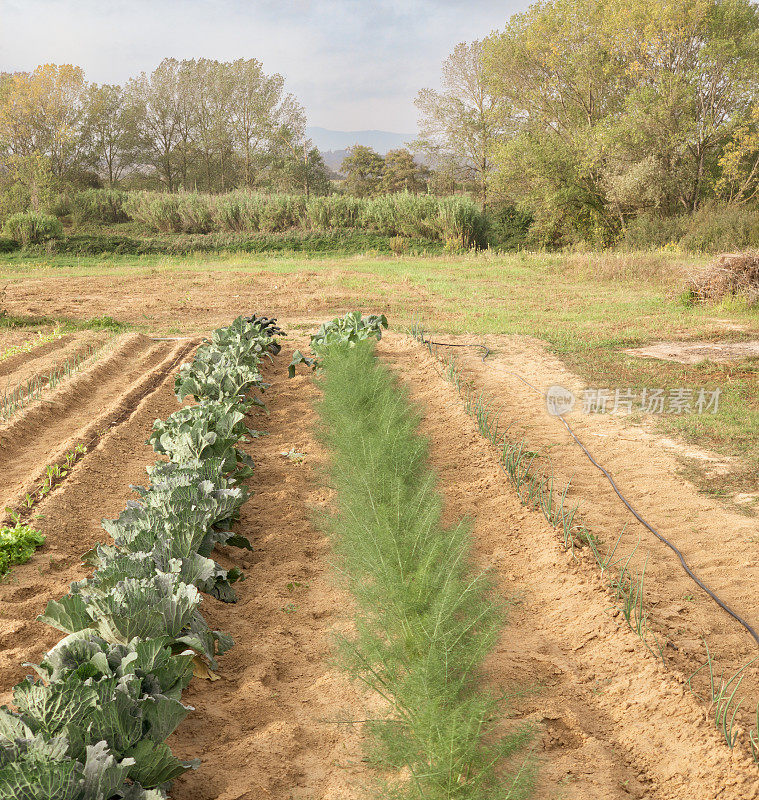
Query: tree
(460,126)
(556,68)
(154,98)
(363,170)
(303,169)
(620,107)
(111,127)
(42,112)
(260,112)
(403,174)
(739,164)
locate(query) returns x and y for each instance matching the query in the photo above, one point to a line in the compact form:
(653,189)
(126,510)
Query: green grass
(426,619)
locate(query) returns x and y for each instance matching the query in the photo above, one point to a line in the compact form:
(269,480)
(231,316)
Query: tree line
(191,124)
(587,115)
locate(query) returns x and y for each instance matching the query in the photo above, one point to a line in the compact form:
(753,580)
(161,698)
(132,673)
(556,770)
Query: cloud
(354,64)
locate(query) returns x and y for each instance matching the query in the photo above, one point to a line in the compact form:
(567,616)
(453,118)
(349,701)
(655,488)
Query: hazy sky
(354,64)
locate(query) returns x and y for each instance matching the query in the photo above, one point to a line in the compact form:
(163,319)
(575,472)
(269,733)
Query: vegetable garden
(461,699)
(93,725)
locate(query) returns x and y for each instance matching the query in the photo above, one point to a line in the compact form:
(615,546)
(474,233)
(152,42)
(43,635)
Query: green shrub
(509,227)
(718,228)
(31,227)
(652,230)
(7,245)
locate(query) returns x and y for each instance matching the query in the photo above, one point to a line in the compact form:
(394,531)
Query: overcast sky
(354,64)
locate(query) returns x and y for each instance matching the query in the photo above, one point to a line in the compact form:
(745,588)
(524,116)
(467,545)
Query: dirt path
(79,410)
(265,729)
(97,487)
(612,722)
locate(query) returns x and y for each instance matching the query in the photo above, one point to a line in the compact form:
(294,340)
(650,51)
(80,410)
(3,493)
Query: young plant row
(92,725)
(426,619)
(535,489)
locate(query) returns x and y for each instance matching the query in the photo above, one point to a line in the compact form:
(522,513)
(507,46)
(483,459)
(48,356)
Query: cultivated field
(597,666)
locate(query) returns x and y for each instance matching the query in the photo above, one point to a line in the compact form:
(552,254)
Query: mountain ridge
(326,140)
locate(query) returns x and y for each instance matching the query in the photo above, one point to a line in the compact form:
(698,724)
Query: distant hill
(382,141)
(334,158)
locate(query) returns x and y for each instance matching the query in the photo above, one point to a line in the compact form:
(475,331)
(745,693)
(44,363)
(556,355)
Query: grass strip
(426,619)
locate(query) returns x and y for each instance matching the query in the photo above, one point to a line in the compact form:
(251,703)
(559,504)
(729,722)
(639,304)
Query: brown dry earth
(80,410)
(96,487)
(270,727)
(720,545)
(17,369)
(162,300)
(611,721)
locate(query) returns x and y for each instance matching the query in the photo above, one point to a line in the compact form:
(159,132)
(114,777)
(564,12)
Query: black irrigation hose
(724,606)
(721,603)
(447,344)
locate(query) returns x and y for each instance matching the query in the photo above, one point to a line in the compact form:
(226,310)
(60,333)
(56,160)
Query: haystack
(729,275)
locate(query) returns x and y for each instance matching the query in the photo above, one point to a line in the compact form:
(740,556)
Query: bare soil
(276,722)
(695,352)
(78,411)
(611,721)
(274,725)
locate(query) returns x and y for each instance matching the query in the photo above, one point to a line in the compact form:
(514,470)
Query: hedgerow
(92,725)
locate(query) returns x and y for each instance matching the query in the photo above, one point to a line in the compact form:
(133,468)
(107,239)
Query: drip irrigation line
(718,600)
(721,603)
(449,344)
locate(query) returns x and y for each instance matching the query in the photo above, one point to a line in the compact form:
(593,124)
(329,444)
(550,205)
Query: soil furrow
(80,411)
(269,727)
(96,487)
(611,721)
(31,365)
(718,544)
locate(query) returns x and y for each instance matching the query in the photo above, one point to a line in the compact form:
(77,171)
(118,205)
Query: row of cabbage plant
(93,722)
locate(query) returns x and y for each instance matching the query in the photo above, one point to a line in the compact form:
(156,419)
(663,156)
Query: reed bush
(403,214)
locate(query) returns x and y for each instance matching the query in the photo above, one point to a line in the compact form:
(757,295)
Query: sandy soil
(194,303)
(79,410)
(695,352)
(18,369)
(96,487)
(612,722)
(721,546)
(270,727)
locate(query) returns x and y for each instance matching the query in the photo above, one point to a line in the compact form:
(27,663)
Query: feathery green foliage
(426,618)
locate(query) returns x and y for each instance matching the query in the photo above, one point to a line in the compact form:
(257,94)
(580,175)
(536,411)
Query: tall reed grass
(449,219)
